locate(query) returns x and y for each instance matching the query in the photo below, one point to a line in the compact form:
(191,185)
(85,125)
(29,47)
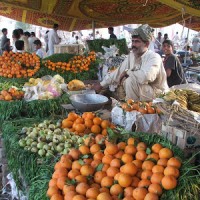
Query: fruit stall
(58,154)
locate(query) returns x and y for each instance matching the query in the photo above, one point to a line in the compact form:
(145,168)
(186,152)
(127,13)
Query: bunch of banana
(170,96)
(33,82)
(193,97)
(195,107)
(182,98)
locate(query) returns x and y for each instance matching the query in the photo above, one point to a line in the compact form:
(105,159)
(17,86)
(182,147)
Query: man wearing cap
(142,74)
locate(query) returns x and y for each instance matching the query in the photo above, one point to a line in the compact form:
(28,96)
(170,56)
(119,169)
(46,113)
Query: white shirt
(41,53)
(31,45)
(53,39)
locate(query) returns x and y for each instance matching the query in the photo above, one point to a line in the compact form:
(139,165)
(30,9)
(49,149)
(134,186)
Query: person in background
(72,39)
(7,46)
(46,41)
(78,41)
(111,32)
(176,40)
(25,39)
(97,35)
(19,44)
(196,44)
(142,73)
(158,42)
(152,42)
(3,38)
(173,68)
(15,36)
(31,40)
(39,51)
(165,37)
(53,39)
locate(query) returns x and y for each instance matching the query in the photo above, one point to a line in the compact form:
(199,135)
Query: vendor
(142,74)
(174,70)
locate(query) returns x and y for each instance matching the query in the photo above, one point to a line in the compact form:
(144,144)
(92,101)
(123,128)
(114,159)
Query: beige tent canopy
(78,14)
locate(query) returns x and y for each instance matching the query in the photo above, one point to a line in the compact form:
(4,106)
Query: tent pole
(185,58)
(93,29)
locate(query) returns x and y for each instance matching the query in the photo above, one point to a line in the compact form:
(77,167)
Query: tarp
(78,14)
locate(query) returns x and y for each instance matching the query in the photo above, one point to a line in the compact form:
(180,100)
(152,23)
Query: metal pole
(93,28)
(185,58)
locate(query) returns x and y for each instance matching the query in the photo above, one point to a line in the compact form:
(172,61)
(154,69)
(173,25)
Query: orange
(95,163)
(155,188)
(89,141)
(81,179)
(141,146)
(139,193)
(105,124)
(80,128)
(87,170)
(98,156)
(157,178)
(92,193)
(115,163)
(130,149)
(79,197)
(73,173)
(135,182)
(104,196)
(53,182)
(171,171)
(158,169)
(156,148)
(72,116)
(154,156)
(116,189)
(174,162)
(82,188)
(147,165)
(111,149)
(107,181)
(57,197)
(84,149)
(79,121)
(131,141)
(126,158)
(95,148)
(104,132)
(97,120)
(146,174)
(162,162)
(89,123)
(99,138)
(98,176)
(169,182)
(96,129)
(119,154)
(112,171)
(124,180)
(144,183)
(107,159)
(52,190)
(68,188)
(76,165)
(90,115)
(138,163)
(121,145)
(165,153)
(74,153)
(128,191)
(129,168)
(141,155)
(66,123)
(151,196)
(61,182)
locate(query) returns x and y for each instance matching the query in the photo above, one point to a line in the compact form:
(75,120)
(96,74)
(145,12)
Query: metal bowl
(88,102)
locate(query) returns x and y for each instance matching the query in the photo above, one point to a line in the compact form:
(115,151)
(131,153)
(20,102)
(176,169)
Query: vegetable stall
(84,155)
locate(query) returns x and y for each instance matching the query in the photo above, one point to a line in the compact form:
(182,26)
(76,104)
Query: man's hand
(97,87)
(123,76)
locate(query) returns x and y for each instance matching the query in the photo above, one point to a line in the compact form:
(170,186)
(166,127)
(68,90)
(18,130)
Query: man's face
(138,46)
(167,49)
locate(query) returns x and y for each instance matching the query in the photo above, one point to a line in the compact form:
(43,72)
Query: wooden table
(69,48)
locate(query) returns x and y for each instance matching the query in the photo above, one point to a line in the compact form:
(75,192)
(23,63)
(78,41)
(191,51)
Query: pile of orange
(142,107)
(87,123)
(104,171)
(76,64)
(11,94)
(18,65)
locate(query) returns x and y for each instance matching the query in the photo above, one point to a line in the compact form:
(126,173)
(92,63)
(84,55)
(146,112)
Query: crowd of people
(142,75)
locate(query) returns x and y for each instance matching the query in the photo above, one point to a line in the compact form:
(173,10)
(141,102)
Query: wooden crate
(176,135)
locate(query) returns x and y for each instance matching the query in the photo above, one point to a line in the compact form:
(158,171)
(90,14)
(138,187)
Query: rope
(145,3)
